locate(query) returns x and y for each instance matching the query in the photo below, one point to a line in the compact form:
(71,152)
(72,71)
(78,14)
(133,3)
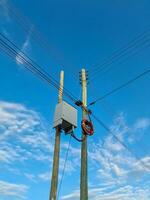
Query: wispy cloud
(24,136)
(127,192)
(120,172)
(27,129)
(25,47)
(12,190)
(45,176)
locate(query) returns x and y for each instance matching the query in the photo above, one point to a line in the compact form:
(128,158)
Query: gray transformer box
(65,117)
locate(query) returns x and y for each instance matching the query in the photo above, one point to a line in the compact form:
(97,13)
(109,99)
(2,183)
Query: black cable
(121,142)
(39,67)
(36,67)
(123,51)
(120,87)
(11,50)
(122,60)
(13,53)
(27,25)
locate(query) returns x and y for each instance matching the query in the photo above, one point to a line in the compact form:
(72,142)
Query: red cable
(87,127)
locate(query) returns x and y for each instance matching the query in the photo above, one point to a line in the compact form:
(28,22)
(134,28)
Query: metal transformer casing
(65,117)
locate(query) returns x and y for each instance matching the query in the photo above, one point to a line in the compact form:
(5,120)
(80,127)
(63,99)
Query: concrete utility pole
(84,163)
(55,170)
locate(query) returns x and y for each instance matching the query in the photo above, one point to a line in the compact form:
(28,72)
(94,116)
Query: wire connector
(79,103)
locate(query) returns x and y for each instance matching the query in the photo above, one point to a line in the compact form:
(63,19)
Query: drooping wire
(78,139)
(121,86)
(64,167)
(121,142)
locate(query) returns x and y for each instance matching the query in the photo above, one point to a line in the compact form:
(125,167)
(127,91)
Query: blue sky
(79,34)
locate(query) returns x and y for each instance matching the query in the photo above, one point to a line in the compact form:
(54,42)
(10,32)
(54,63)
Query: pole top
(62,71)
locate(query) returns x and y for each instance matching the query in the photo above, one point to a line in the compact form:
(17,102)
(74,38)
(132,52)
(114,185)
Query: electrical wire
(106,106)
(121,61)
(46,73)
(31,65)
(121,142)
(121,87)
(36,34)
(137,42)
(26,24)
(13,51)
(63,171)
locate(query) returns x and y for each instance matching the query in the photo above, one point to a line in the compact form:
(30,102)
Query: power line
(121,61)
(121,142)
(37,36)
(26,24)
(137,42)
(34,69)
(63,171)
(12,50)
(23,21)
(120,87)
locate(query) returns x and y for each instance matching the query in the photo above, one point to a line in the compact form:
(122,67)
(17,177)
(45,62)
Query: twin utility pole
(84,162)
(55,170)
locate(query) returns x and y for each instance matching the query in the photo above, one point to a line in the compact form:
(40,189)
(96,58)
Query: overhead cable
(120,141)
(121,87)
(31,65)
(133,47)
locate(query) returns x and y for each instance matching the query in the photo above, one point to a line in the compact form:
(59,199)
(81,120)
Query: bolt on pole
(55,170)
(84,162)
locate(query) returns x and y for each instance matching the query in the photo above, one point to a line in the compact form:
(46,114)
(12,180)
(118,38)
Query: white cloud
(12,190)
(142,124)
(24,49)
(45,176)
(112,164)
(8,154)
(31,177)
(127,192)
(16,118)
(25,136)
(28,131)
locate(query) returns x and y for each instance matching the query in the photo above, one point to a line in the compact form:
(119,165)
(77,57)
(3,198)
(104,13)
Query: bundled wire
(26,24)
(132,48)
(14,52)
